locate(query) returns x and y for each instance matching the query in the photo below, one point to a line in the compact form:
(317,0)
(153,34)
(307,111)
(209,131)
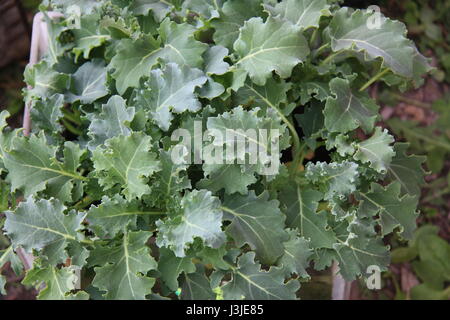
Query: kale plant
(143,175)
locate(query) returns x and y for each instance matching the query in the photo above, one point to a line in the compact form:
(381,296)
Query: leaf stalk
(375,78)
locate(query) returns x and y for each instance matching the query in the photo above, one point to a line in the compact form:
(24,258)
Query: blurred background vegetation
(420,269)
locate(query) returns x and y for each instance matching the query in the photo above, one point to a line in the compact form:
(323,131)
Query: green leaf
(234,178)
(317,89)
(159,9)
(196,286)
(78,254)
(126,161)
(376,150)
(199,216)
(361,249)
(403,254)
(88,83)
(6,136)
(296,255)
(263,47)
(258,222)
(393,211)
(46,113)
(237,128)
(421,137)
(2,285)
(55,27)
(407,170)
(232,17)
(335,180)
(170,181)
(301,13)
(170,90)
(278,162)
(214,63)
(88,37)
(171,267)
(8,255)
(33,167)
(5,194)
(311,121)
(113,215)
(341,142)
(135,59)
(214,257)
(44,81)
(348,110)
(426,292)
(112,121)
(239,131)
(59,283)
(233,80)
(180,44)
(211,89)
(123,268)
(207,9)
(442,107)
(86,6)
(269,96)
(252,283)
(42,224)
(349,30)
(300,206)
(434,265)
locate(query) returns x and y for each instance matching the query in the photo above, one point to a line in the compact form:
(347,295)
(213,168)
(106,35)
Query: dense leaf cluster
(101,192)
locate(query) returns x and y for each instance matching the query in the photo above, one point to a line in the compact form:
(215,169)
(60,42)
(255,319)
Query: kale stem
(313,37)
(320,49)
(411,101)
(71,117)
(77,112)
(396,284)
(71,128)
(88,242)
(375,78)
(151,213)
(331,57)
(83,202)
(10,248)
(298,157)
(297,148)
(88,200)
